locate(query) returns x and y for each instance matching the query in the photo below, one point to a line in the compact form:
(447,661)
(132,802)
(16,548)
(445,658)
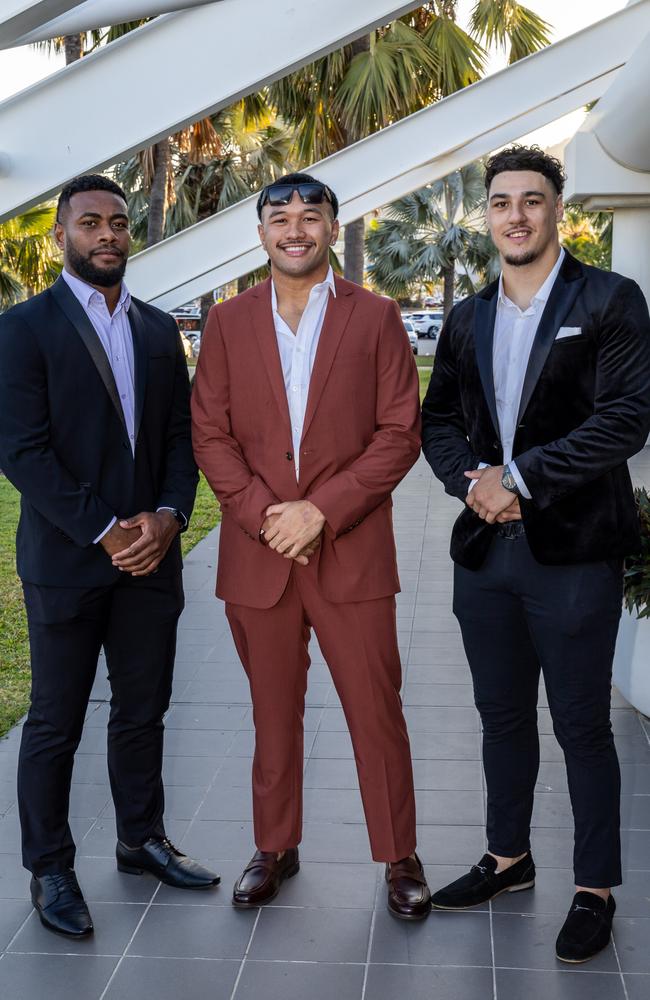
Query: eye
(88,223)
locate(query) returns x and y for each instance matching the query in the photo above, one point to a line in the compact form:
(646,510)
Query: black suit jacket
(64,442)
(585,410)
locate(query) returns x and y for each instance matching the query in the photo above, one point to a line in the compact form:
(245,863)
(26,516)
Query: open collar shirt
(298,352)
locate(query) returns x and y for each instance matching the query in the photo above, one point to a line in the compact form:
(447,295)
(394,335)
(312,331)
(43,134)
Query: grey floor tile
(638,987)
(441,720)
(632,936)
(529,943)
(335,842)
(101,882)
(451,845)
(310,935)
(211,717)
(219,839)
(453,807)
(387,982)
(14,880)
(193,932)
(340,886)
(445,746)
(225,803)
(441,775)
(198,771)
(13,913)
(554,809)
(442,939)
(172,978)
(329,805)
(298,980)
(22,977)
(514,984)
(114,924)
(452,695)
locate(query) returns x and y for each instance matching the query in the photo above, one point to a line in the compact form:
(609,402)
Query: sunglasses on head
(311,193)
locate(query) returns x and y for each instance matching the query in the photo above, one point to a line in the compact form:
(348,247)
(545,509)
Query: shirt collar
(85,292)
(321,286)
(542,293)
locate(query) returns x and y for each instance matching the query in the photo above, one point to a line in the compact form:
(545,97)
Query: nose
(106,234)
(517,212)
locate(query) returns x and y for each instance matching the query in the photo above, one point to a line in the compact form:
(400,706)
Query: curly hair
(526,158)
(86,182)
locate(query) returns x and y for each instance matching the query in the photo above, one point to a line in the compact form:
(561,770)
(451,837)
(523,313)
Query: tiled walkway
(329,937)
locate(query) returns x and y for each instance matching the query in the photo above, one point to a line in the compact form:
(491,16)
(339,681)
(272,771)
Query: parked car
(196,346)
(412,335)
(427,324)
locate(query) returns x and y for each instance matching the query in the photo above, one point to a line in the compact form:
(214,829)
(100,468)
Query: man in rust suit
(303,448)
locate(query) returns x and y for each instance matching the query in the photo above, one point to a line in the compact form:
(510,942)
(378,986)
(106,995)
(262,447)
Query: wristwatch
(180,517)
(509,482)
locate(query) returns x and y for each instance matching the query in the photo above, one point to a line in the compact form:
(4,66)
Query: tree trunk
(354,236)
(449,280)
(207,301)
(158,195)
(74,48)
(242,283)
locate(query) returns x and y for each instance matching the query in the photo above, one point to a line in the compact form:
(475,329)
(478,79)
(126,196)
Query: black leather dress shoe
(60,905)
(159,857)
(262,877)
(587,928)
(483,883)
(408,893)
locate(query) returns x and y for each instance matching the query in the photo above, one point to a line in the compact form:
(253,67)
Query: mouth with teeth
(518,235)
(297,249)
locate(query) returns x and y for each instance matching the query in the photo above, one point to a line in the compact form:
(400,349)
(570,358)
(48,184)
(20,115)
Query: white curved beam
(20,16)
(52,131)
(407,155)
(96,14)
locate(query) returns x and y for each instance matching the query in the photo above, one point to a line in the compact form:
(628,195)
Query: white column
(631,245)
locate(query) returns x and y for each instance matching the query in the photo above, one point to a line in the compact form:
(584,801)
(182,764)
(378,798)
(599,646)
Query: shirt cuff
(521,486)
(105,531)
(473,482)
(173,509)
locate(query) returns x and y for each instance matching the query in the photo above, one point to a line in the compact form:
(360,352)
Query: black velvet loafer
(587,928)
(60,905)
(482,883)
(159,857)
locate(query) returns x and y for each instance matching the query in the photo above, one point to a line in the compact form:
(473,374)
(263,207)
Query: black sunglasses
(312,193)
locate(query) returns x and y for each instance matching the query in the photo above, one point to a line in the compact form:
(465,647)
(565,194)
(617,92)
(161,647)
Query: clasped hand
(293,529)
(138,544)
(489,499)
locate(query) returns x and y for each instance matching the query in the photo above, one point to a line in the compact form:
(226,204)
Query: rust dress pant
(359,643)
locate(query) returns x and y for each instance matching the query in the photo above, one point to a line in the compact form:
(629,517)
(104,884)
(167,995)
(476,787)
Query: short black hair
(297,179)
(86,182)
(526,158)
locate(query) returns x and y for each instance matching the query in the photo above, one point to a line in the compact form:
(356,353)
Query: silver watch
(509,482)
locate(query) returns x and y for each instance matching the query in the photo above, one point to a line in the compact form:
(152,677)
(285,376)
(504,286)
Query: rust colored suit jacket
(361,435)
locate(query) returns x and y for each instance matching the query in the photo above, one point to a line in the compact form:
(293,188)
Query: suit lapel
(74,312)
(140,354)
(336,319)
(264,327)
(563,294)
(485,312)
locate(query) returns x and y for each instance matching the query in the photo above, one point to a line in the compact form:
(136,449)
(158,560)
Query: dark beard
(102,276)
(528,258)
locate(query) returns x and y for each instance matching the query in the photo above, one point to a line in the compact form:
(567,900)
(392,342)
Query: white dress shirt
(298,351)
(514,335)
(114,332)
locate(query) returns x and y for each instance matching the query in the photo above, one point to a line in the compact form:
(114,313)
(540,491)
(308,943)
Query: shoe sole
(580,961)
(407,916)
(130,870)
(254,906)
(472,906)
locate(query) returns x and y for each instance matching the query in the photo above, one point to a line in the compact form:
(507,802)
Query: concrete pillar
(631,245)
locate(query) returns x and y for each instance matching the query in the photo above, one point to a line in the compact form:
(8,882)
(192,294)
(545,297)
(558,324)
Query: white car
(427,324)
(412,335)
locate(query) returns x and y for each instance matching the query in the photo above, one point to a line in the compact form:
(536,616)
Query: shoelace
(166,842)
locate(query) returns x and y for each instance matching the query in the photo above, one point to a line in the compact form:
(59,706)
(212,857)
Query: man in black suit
(540,393)
(95,433)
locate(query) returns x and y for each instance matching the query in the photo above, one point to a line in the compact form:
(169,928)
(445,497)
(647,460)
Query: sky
(19,68)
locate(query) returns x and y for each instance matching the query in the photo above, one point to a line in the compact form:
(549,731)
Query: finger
(139,560)
(474,474)
(301,560)
(133,549)
(277,508)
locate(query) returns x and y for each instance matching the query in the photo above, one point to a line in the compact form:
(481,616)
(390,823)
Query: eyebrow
(97,215)
(282,210)
(526,194)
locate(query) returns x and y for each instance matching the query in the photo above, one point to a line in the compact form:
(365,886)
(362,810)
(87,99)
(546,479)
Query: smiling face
(297,237)
(93,233)
(523,213)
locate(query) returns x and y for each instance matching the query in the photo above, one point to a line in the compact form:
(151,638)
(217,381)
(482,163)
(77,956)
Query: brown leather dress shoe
(408,893)
(262,877)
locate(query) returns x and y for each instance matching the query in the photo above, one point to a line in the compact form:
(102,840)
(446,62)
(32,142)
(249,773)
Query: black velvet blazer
(585,410)
(64,443)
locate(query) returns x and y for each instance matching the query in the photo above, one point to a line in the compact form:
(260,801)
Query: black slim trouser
(517,616)
(135,621)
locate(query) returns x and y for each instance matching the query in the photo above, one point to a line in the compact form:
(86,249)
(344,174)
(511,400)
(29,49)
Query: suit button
(496,445)
(289,456)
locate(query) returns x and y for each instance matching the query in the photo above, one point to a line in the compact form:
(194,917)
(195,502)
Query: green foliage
(588,236)
(637,567)
(29,259)
(508,23)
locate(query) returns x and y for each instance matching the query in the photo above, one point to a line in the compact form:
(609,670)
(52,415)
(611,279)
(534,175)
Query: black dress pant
(135,621)
(517,616)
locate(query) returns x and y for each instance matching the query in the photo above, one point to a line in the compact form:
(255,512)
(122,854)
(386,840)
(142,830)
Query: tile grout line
(371,936)
(129,942)
(618,962)
(243,961)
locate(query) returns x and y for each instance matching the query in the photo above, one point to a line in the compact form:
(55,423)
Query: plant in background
(637,567)
(588,236)
(29,259)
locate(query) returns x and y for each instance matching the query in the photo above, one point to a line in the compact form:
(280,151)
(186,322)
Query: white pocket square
(568,331)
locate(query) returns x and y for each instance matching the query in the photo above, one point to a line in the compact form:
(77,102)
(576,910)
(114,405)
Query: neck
(521,284)
(111,294)
(296,288)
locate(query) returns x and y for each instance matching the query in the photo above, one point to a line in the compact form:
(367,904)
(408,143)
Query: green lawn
(14,647)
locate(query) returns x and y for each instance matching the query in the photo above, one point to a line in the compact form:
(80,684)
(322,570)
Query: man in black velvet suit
(95,433)
(540,393)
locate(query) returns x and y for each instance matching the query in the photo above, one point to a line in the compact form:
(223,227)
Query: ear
(59,235)
(559,209)
(336,228)
(261,234)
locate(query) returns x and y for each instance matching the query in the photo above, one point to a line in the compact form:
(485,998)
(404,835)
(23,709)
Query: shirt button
(294,388)
(123,395)
(289,456)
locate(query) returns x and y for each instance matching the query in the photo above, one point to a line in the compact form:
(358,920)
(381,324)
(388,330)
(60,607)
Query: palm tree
(29,260)
(393,72)
(423,237)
